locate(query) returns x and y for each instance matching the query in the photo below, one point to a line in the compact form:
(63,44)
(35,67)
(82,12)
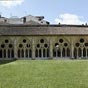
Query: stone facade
(32,37)
(43,47)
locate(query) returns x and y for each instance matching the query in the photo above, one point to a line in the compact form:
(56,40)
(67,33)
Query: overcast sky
(55,11)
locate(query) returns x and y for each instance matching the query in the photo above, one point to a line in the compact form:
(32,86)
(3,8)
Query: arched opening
(54,52)
(19,55)
(0,53)
(22,53)
(40,53)
(24,49)
(84,52)
(81,47)
(9,53)
(30,53)
(75,53)
(26,53)
(12,53)
(4,52)
(44,53)
(68,52)
(61,48)
(7,49)
(42,49)
(79,52)
(36,53)
(63,52)
(59,53)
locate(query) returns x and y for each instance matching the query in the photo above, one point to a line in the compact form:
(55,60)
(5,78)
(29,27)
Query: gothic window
(81,48)
(61,48)
(24,48)
(7,49)
(42,48)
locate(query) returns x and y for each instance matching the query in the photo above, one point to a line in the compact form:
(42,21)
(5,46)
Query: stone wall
(43,47)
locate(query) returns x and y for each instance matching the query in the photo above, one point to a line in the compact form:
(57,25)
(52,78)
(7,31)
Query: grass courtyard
(44,74)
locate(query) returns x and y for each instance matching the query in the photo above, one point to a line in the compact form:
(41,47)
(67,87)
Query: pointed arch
(68,52)
(84,52)
(79,52)
(24,48)
(63,52)
(61,48)
(42,48)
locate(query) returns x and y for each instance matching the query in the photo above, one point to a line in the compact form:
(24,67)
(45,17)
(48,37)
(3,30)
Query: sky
(54,11)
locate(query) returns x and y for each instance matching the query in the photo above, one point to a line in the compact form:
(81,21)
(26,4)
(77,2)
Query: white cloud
(10,3)
(69,19)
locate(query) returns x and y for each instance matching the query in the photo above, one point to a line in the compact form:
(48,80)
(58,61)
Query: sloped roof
(43,29)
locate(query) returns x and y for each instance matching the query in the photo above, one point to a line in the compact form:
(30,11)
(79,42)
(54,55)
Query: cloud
(10,3)
(69,19)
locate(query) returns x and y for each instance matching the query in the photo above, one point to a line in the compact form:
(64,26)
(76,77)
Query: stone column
(61,52)
(66,52)
(51,49)
(7,53)
(42,53)
(82,52)
(28,53)
(77,54)
(86,53)
(46,53)
(38,53)
(72,50)
(15,49)
(25,54)
(2,53)
(33,49)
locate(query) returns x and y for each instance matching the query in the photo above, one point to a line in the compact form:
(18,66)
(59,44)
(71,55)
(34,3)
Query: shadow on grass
(6,61)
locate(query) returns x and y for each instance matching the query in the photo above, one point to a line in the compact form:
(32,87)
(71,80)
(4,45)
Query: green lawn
(44,74)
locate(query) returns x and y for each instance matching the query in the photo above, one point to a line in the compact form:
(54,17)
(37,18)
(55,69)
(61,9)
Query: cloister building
(31,37)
